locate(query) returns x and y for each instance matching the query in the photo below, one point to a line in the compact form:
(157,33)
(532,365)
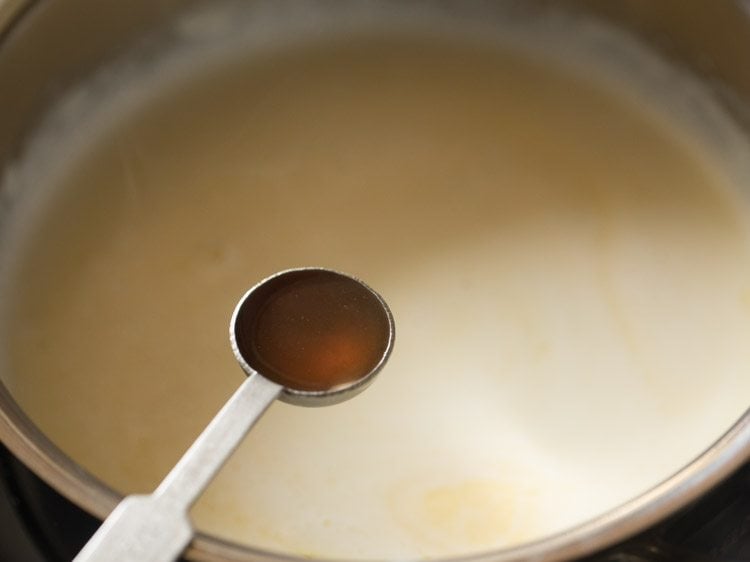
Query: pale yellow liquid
(567,262)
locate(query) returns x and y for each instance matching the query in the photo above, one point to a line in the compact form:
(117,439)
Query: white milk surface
(557,218)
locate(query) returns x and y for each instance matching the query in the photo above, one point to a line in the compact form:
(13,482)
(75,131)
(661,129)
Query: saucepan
(49,47)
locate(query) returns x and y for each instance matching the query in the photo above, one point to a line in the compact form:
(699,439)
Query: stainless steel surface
(56,42)
(156,527)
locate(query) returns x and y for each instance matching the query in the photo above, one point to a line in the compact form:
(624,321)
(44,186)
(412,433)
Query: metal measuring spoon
(307,336)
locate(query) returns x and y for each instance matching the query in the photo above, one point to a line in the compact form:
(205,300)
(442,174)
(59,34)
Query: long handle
(156,528)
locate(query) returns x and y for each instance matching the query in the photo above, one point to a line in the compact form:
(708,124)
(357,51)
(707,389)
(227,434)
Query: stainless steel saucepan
(47,46)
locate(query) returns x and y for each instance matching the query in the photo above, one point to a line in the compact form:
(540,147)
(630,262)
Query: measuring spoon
(308,336)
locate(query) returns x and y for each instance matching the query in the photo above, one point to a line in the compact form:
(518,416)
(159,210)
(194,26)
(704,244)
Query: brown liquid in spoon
(313,330)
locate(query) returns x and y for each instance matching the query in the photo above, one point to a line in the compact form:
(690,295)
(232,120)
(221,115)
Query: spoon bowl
(321,334)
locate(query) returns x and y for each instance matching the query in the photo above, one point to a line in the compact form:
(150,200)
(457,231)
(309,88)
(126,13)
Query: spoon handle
(208,453)
(156,528)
